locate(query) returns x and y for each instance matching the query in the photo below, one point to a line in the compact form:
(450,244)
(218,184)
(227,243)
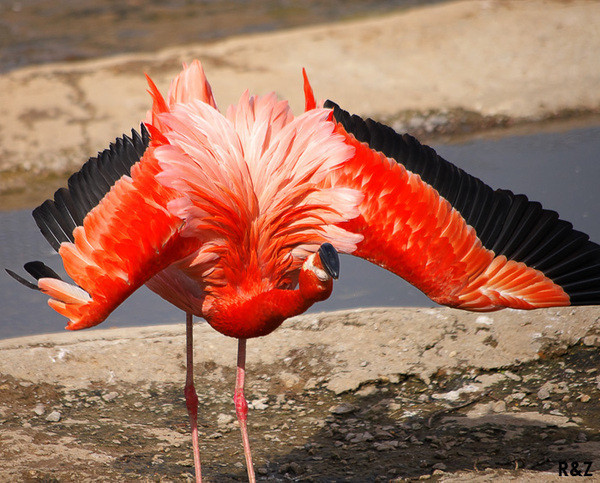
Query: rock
(513,376)
(545,391)
(414,440)
(368,390)
(344,408)
(311,384)
(110,396)
(381,433)
(394,378)
(394,406)
(359,437)
(53,417)
(288,379)
(584,398)
(292,468)
(259,404)
(498,407)
(386,445)
(487,380)
(39,409)
(484,320)
(456,394)
(224,419)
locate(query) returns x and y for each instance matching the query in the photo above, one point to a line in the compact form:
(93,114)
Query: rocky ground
(363,395)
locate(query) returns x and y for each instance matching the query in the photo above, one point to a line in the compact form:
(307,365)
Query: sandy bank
(525,60)
(392,342)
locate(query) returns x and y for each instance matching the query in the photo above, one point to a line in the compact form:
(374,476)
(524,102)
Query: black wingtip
(508,224)
(21,280)
(39,270)
(58,218)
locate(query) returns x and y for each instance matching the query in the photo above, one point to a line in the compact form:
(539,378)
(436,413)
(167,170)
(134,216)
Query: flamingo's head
(329,261)
(318,271)
(242,316)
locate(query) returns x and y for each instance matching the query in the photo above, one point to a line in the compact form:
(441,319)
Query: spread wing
(111,229)
(452,236)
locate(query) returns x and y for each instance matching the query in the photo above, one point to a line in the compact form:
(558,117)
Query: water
(559,169)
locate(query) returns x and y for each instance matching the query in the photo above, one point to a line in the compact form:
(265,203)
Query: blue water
(559,169)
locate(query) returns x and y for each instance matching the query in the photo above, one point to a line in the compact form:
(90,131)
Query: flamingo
(239,219)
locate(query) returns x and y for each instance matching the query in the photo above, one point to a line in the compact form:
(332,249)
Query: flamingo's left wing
(452,236)
(111,229)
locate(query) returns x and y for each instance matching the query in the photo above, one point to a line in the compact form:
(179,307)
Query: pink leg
(191,398)
(241,406)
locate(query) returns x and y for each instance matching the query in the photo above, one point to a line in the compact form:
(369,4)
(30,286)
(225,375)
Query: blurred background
(40,31)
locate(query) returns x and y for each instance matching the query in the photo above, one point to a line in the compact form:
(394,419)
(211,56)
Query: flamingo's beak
(330,260)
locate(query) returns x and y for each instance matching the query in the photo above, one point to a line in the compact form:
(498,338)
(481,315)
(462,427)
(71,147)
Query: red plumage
(237,218)
(411,230)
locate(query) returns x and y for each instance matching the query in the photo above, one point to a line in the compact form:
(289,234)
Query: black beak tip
(330,260)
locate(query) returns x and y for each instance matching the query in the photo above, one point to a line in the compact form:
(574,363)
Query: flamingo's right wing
(446,232)
(112,230)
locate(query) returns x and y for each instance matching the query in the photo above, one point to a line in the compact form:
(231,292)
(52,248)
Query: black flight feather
(506,224)
(58,218)
(20,279)
(39,270)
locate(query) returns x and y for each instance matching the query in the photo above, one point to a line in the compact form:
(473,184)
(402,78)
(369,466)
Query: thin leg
(191,398)
(241,406)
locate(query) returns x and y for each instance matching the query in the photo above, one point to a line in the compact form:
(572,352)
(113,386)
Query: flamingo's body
(233,218)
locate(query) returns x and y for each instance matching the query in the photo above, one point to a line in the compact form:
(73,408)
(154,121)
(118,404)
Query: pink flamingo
(239,219)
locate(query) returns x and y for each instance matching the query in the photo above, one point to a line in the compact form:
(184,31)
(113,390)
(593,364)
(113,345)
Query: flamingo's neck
(244,317)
